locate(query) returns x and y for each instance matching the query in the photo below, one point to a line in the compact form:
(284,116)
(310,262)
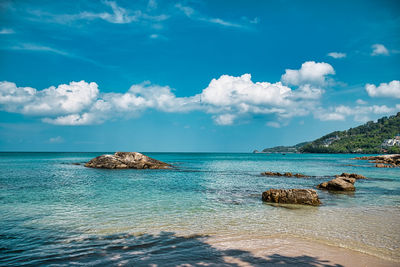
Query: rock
(299,175)
(126,160)
(339,184)
(351,175)
(286,174)
(381,165)
(393,160)
(292,196)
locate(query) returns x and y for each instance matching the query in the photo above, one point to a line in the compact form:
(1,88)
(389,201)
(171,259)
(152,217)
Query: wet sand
(289,251)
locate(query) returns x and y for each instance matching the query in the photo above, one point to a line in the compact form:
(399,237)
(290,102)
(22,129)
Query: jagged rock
(393,160)
(292,196)
(351,175)
(126,160)
(339,184)
(286,174)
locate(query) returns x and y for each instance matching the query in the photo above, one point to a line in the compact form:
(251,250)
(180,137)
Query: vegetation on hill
(284,149)
(366,138)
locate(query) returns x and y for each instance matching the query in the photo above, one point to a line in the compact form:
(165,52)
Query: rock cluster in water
(382,160)
(286,174)
(126,160)
(339,184)
(292,196)
(351,175)
(342,182)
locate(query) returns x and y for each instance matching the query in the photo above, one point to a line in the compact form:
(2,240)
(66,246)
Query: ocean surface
(53,212)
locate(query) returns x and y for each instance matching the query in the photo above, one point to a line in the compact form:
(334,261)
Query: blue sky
(201,76)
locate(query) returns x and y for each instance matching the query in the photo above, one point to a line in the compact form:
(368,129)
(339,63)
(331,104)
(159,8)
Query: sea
(56,212)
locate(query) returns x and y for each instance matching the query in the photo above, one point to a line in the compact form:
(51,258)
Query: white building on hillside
(392,142)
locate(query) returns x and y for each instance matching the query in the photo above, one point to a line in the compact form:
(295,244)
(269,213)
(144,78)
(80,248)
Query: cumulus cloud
(391,89)
(228,99)
(63,99)
(379,49)
(310,72)
(337,55)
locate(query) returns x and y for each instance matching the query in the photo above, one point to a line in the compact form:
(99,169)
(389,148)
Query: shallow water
(54,212)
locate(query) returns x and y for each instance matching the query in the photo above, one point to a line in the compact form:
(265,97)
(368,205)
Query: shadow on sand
(165,249)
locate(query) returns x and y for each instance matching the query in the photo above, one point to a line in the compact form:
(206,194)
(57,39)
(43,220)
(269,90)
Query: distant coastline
(380,137)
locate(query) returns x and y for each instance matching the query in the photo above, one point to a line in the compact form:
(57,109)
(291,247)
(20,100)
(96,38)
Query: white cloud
(361,102)
(337,55)
(43,48)
(56,140)
(119,15)
(152,4)
(63,99)
(6,31)
(391,89)
(73,119)
(379,49)
(34,47)
(224,119)
(273,124)
(194,15)
(359,113)
(229,90)
(228,99)
(310,72)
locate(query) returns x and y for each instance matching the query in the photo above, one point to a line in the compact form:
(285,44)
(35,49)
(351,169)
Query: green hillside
(366,138)
(285,149)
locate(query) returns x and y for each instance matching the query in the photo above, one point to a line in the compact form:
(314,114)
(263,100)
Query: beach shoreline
(288,250)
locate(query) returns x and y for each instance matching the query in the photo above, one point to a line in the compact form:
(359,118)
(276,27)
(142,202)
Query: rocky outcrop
(381,165)
(286,174)
(292,196)
(126,160)
(392,160)
(340,183)
(351,175)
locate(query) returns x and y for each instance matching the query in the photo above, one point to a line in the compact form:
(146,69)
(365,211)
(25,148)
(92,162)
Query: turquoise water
(54,212)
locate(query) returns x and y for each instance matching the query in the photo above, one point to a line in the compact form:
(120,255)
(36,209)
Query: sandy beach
(290,251)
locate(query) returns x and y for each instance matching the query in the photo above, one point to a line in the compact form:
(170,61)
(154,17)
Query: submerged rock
(126,160)
(341,183)
(292,196)
(286,174)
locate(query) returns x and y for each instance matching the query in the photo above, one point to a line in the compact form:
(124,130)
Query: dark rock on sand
(393,160)
(341,183)
(126,160)
(286,174)
(292,196)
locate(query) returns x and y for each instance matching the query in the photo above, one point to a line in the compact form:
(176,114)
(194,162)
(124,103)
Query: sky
(192,76)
